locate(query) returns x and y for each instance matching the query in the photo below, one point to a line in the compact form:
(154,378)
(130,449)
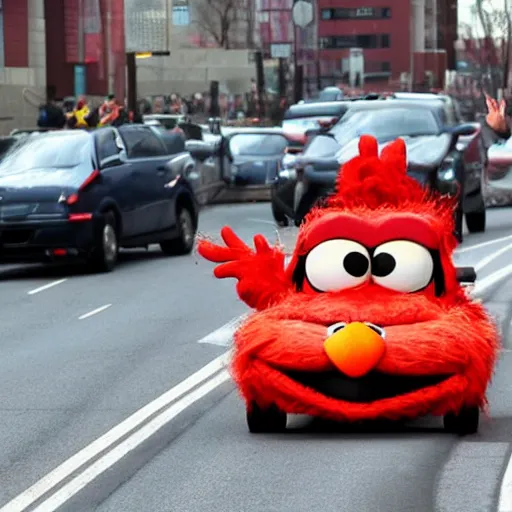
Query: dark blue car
(85,194)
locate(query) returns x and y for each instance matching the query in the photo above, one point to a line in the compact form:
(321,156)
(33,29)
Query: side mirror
(466,275)
(199,150)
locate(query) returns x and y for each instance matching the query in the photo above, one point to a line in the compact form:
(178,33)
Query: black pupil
(356,264)
(383,264)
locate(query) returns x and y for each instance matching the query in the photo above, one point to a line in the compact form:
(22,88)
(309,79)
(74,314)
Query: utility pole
(110,60)
(131,71)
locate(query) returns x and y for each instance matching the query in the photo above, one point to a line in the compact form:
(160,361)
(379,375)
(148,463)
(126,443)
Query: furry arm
(261,276)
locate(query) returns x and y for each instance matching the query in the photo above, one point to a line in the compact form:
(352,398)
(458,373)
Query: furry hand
(260,273)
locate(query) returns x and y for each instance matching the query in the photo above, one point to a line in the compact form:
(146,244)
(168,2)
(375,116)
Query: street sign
(280,51)
(303,13)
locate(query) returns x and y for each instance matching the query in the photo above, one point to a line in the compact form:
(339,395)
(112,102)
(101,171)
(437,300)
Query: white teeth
(335,327)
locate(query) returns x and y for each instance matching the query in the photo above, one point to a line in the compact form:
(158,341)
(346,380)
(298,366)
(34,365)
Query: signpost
(303,14)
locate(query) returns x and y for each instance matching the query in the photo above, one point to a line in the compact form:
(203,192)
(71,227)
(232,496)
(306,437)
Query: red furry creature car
(368,321)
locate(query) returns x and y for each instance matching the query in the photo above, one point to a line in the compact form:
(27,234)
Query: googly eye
(402,266)
(337,264)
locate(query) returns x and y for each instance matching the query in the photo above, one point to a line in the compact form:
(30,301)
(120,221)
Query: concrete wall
(22,89)
(188,71)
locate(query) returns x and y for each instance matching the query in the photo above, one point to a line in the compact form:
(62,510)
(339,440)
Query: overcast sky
(465,9)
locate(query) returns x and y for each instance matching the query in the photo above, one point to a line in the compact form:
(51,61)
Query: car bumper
(46,240)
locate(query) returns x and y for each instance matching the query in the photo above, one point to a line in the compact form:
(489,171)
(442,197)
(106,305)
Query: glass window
(304,124)
(48,153)
(180,15)
(257,144)
(322,146)
(351,13)
(106,144)
(141,142)
(386,124)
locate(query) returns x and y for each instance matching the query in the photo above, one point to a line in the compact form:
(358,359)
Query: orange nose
(355,350)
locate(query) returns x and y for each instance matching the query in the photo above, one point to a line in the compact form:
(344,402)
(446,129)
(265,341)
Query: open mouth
(372,387)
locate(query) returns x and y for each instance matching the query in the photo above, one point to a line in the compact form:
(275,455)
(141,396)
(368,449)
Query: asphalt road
(80,356)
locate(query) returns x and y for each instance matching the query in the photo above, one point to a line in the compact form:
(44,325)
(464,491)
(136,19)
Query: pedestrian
(51,116)
(78,117)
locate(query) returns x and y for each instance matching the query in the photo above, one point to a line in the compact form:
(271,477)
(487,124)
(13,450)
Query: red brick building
(389,34)
(101,51)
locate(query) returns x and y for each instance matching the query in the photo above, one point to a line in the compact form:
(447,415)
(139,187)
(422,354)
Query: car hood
(426,151)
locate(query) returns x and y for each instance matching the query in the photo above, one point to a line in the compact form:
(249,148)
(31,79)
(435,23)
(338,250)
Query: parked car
(447,158)
(76,193)
(498,176)
(300,118)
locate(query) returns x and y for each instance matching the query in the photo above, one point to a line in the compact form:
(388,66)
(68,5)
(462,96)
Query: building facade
(415,39)
(22,62)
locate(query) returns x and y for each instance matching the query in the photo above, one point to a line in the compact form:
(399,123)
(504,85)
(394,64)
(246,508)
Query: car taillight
(79,217)
(73,198)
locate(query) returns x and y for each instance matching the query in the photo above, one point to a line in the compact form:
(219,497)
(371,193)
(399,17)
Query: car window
(386,124)
(106,144)
(256,144)
(174,143)
(47,153)
(301,125)
(322,146)
(141,142)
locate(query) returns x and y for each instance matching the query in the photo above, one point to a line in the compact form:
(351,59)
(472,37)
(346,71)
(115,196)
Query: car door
(118,176)
(147,156)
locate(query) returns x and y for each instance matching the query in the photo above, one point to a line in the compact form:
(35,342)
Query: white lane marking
(491,257)
(94,312)
(485,284)
(224,335)
(484,244)
(46,287)
(505,500)
(263,221)
(68,467)
(112,457)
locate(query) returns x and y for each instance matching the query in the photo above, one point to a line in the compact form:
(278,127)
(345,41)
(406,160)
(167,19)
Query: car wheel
(308,201)
(184,242)
(465,422)
(476,221)
(280,218)
(104,257)
(265,421)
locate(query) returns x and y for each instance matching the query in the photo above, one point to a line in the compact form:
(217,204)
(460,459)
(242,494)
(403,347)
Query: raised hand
(261,276)
(496,114)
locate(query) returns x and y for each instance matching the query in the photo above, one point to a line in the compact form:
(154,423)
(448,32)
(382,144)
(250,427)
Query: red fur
(424,334)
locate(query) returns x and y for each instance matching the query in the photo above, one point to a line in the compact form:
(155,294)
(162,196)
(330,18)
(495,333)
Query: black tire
(280,218)
(265,421)
(475,221)
(459,224)
(104,255)
(184,242)
(463,423)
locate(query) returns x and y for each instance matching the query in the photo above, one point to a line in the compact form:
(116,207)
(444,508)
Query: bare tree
(492,51)
(220,19)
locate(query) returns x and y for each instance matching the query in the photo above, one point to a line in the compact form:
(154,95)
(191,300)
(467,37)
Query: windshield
(256,144)
(47,153)
(304,124)
(386,124)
